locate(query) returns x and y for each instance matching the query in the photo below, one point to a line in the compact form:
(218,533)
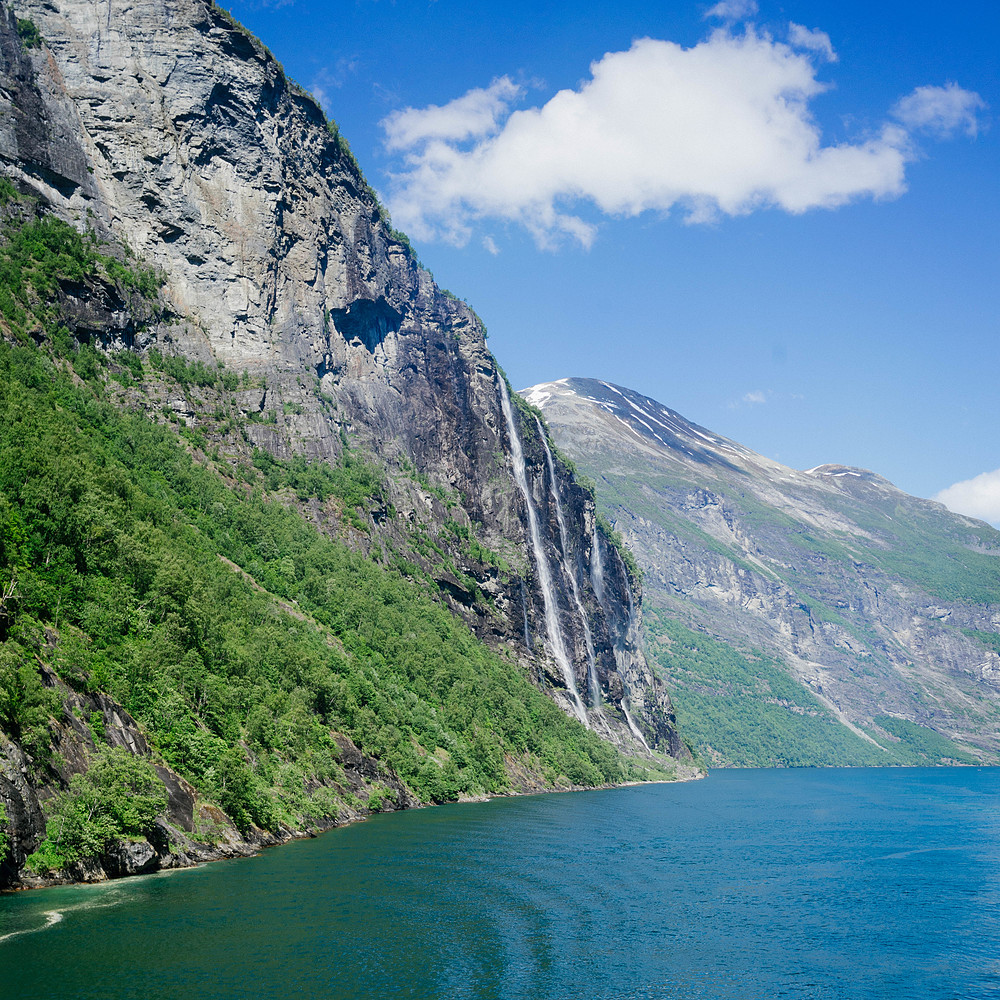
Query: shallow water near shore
(877,883)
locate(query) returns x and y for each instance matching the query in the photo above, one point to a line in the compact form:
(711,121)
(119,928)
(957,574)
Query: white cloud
(755,398)
(474,115)
(732,10)
(722,128)
(815,40)
(941,111)
(976,497)
(490,245)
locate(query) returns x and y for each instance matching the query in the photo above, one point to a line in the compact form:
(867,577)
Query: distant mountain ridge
(864,622)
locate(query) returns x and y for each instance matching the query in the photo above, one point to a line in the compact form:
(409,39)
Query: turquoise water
(751,884)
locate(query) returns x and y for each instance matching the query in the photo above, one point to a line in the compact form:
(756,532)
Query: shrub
(30,36)
(25,704)
(120,796)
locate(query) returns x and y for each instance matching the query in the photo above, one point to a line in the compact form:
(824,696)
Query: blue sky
(782,223)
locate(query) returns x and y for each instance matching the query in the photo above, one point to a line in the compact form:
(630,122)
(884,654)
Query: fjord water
(751,884)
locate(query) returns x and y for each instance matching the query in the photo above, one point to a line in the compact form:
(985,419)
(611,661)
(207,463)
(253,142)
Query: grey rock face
(39,129)
(24,822)
(131,858)
(625,683)
(167,123)
(872,598)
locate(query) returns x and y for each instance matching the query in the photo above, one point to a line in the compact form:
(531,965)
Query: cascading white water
(552,628)
(568,570)
(636,731)
(596,564)
(597,582)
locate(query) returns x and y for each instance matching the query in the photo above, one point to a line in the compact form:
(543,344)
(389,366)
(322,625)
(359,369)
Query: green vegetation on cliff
(38,255)
(920,745)
(112,536)
(237,635)
(30,35)
(120,796)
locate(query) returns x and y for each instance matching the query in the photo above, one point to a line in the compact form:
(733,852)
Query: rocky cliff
(168,124)
(884,608)
(164,128)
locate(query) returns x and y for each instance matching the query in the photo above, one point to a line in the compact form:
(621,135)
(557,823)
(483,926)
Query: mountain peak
(832,470)
(652,424)
(802,617)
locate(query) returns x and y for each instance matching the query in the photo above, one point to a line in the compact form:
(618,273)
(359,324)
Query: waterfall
(574,588)
(556,644)
(596,564)
(597,581)
(636,731)
(626,696)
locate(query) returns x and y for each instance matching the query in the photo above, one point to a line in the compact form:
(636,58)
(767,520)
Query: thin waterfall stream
(524,612)
(597,582)
(592,682)
(625,700)
(636,731)
(596,565)
(552,627)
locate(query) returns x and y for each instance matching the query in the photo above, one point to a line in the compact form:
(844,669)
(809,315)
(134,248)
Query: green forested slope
(235,633)
(743,709)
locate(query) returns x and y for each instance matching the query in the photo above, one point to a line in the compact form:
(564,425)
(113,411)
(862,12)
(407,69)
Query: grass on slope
(745,710)
(991,640)
(921,745)
(931,548)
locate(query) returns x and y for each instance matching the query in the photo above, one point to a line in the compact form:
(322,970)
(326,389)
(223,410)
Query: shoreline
(269,840)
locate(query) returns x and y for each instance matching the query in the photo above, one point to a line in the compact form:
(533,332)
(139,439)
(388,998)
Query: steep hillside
(279,262)
(263,480)
(801,617)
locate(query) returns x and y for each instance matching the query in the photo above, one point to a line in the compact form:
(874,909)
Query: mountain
(279,546)
(814,617)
